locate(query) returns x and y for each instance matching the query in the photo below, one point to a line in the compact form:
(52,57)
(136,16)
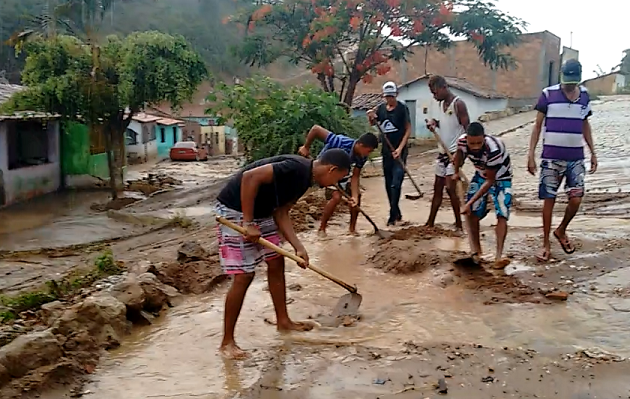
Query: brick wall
(533,57)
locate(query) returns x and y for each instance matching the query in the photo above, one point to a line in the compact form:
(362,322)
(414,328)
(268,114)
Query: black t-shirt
(393,123)
(292,176)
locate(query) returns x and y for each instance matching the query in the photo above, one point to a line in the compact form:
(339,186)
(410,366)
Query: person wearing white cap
(393,118)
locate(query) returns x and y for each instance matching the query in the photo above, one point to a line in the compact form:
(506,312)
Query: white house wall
(32,181)
(142,150)
(420,92)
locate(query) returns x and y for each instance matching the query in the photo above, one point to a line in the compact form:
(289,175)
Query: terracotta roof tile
(367,101)
(461,84)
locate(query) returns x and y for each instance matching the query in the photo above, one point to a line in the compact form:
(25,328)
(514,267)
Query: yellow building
(214,137)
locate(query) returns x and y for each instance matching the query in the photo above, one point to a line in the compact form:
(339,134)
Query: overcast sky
(597,26)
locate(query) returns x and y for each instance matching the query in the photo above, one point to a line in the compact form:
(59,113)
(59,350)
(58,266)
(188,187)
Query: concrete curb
(510,130)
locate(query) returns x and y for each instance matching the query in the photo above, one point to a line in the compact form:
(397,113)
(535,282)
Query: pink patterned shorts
(238,255)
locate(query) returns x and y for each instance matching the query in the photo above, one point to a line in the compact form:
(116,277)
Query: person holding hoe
(358,150)
(493,178)
(395,123)
(451,124)
(259,198)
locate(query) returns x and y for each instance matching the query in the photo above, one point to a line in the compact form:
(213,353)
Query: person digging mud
(451,125)
(358,150)
(259,197)
(493,177)
(564,109)
(393,117)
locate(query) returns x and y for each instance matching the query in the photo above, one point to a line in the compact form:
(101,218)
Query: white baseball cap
(390,89)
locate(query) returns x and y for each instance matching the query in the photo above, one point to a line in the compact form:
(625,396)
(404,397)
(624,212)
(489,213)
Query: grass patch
(11,306)
(182,221)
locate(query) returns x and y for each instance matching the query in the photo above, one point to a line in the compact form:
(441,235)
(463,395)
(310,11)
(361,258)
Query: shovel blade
(348,305)
(383,234)
(413,197)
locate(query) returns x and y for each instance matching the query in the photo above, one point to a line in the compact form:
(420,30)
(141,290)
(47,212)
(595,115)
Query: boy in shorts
(358,150)
(493,178)
(259,197)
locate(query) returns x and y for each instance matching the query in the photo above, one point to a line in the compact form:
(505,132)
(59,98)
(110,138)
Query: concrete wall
(28,182)
(533,56)
(143,151)
(606,84)
(166,140)
(427,107)
(214,137)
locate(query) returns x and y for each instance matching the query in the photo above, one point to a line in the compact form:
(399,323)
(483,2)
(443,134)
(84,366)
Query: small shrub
(106,264)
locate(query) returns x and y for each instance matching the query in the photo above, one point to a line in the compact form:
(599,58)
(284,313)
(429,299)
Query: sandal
(543,256)
(566,245)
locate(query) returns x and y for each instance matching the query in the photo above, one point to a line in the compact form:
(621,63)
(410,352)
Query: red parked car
(188,151)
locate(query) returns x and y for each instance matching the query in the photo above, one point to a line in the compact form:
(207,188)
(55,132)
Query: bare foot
(295,326)
(233,352)
(321,233)
(353,233)
(500,264)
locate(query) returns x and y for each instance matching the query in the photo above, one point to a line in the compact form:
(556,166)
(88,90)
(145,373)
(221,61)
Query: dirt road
(487,334)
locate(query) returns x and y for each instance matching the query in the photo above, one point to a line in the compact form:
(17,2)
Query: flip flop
(543,256)
(565,244)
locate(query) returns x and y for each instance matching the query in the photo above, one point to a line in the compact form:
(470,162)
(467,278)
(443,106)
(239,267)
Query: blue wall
(166,136)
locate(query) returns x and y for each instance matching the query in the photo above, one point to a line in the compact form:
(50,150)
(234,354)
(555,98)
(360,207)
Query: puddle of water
(178,355)
(517,267)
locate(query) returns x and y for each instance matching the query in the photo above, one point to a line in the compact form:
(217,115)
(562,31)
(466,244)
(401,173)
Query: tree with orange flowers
(344,42)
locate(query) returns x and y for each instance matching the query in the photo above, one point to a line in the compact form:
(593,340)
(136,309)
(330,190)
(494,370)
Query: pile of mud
(115,205)
(152,184)
(309,209)
(404,253)
(495,286)
(196,270)
(417,233)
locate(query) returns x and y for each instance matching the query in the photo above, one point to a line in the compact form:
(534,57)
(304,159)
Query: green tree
(346,41)
(624,66)
(272,119)
(105,86)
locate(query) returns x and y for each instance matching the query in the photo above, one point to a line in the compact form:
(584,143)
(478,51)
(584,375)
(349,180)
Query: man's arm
(250,182)
(462,114)
(533,141)
(285,225)
(458,161)
(316,132)
(588,137)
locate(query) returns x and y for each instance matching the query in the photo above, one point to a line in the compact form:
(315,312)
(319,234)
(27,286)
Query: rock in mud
(191,251)
(104,317)
(5,377)
(192,277)
(156,293)
(9,333)
(130,293)
(29,352)
(442,388)
(558,295)
(51,311)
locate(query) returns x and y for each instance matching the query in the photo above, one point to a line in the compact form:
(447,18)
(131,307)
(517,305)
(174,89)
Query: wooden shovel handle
(347,197)
(288,254)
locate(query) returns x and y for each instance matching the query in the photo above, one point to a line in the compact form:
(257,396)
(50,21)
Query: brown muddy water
(177,357)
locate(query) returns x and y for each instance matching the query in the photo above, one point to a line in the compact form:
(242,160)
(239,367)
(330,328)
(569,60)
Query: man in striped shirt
(358,150)
(563,112)
(493,178)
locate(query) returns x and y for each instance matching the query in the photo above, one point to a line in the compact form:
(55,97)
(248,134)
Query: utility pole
(571,40)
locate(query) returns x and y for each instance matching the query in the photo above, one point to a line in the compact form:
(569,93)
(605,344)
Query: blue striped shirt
(345,143)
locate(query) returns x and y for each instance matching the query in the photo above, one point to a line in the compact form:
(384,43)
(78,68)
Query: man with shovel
(358,150)
(451,124)
(493,178)
(259,198)
(393,118)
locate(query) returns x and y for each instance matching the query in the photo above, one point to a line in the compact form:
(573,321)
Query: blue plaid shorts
(500,192)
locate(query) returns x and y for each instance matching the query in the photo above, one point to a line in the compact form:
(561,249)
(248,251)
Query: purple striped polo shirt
(562,134)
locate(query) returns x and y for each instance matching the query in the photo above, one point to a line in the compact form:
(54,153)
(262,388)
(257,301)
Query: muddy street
(428,327)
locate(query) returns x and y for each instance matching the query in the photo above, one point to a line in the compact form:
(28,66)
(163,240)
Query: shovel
(460,193)
(348,305)
(392,149)
(377,231)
